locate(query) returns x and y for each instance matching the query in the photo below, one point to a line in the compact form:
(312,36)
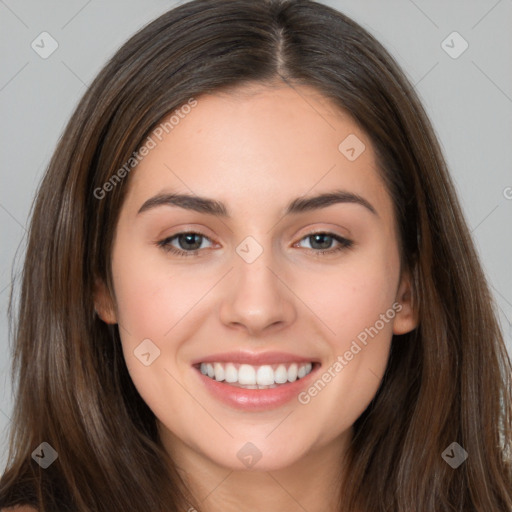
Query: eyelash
(344,243)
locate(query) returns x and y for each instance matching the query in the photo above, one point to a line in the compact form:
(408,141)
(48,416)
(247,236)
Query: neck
(312,483)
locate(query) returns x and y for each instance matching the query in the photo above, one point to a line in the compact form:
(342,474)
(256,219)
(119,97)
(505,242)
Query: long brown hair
(447,381)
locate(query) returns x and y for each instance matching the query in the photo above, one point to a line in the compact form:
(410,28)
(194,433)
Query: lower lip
(256,399)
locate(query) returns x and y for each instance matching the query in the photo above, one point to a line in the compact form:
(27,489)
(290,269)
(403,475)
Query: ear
(103,303)
(406,318)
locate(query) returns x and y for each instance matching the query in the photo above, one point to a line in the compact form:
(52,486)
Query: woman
(327,343)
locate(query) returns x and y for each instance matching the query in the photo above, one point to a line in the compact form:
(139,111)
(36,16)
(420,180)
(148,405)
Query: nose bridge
(255,280)
(257,298)
(254,273)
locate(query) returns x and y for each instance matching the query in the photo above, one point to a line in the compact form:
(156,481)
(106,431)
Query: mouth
(247,376)
(255,382)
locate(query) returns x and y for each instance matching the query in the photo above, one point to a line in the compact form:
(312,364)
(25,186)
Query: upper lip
(253,358)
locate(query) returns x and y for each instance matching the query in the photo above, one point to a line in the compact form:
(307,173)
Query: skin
(255,149)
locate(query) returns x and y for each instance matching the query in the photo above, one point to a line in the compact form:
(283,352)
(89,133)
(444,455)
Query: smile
(255,377)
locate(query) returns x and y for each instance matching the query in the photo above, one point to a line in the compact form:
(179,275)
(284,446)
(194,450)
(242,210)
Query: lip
(255,400)
(254,359)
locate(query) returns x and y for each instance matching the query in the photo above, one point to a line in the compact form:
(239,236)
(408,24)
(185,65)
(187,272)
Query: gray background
(468,98)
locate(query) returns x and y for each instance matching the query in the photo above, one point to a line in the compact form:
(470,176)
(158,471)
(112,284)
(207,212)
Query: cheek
(158,302)
(149,294)
(352,297)
(356,305)
(151,299)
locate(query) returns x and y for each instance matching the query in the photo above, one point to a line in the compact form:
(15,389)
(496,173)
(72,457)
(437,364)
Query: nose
(256,297)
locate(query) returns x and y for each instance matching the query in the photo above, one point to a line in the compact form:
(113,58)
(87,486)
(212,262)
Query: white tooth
(231,373)
(309,367)
(250,386)
(211,373)
(265,375)
(280,374)
(292,373)
(219,371)
(204,371)
(246,374)
(302,372)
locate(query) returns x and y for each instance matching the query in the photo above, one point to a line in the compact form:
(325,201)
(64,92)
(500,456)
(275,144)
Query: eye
(323,241)
(190,242)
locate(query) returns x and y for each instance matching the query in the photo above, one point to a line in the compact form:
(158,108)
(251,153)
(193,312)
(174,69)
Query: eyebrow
(219,209)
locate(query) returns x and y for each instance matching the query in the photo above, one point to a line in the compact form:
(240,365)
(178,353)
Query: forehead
(255,147)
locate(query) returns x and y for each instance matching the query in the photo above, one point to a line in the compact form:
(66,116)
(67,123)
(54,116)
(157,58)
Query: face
(288,304)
